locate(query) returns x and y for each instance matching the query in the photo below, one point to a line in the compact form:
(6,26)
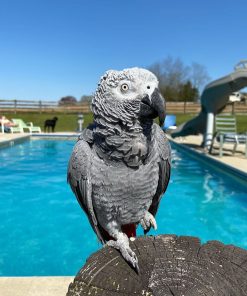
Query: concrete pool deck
(7,139)
(35,286)
(10,139)
(4,137)
(57,286)
(237,161)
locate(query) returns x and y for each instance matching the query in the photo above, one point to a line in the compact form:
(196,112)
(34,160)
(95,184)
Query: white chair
(226,132)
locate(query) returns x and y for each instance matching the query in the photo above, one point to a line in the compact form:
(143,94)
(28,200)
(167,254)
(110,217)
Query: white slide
(213,99)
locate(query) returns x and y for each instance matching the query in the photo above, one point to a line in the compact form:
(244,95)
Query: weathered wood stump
(169,265)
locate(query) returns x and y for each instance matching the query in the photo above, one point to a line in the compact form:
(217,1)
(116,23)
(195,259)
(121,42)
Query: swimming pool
(43,231)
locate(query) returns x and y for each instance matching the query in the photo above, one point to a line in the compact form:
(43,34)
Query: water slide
(213,99)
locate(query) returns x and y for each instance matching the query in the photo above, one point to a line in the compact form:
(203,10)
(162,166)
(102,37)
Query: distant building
(238,97)
(235,97)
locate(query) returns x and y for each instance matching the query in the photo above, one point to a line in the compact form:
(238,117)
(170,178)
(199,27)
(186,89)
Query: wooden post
(169,265)
(233,108)
(40,107)
(185,106)
(15,106)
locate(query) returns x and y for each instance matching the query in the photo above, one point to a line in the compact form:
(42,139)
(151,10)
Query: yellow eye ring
(124,87)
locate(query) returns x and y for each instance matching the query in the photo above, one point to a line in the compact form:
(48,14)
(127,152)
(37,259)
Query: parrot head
(129,94)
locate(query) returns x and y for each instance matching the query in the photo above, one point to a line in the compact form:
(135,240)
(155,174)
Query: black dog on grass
(50,124)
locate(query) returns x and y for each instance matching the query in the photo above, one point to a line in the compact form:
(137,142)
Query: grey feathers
(120,166)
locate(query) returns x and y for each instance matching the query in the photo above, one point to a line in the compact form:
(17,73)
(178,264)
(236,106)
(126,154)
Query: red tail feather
(129,230)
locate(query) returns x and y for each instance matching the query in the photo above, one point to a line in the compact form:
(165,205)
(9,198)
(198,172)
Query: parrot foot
(122,244)
(147,221)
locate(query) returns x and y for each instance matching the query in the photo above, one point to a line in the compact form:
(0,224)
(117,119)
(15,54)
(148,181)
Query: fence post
(40,107)
(233,108)
(15,106)
(184,107)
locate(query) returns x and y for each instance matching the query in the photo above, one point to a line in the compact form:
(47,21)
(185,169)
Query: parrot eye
(124,87)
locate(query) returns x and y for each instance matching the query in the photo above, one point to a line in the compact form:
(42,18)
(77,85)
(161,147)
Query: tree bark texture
(169,265)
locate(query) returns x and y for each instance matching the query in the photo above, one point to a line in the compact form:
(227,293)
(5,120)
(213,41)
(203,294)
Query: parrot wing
(164,152)
(78,176)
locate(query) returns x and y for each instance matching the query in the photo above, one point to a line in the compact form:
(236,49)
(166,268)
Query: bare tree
(198,76)
(175,77)
(86,98)
(174,71)
(156,68)
(172,74)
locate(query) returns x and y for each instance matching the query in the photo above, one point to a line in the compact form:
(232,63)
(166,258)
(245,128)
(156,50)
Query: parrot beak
(152,107)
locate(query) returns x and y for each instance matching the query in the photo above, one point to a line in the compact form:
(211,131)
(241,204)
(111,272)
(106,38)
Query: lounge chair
(26,126)
(170,123)
(14,129)
(226,132)
(8,126)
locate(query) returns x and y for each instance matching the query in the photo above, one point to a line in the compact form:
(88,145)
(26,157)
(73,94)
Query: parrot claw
(147,221)
(126,252)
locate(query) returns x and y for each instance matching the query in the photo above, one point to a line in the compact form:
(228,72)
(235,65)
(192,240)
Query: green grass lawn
(68,122)
(242,123)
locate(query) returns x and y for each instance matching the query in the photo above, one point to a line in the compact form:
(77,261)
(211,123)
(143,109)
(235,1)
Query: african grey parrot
(120,166)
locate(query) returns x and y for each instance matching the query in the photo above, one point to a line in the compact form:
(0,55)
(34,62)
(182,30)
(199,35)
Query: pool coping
(56,135)
(200,155)
(12,141)
(20,138)
(227,169)
(35,285)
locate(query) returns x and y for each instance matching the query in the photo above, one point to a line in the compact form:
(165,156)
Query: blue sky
(51,48)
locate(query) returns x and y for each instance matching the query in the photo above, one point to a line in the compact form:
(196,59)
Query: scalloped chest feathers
(121,192)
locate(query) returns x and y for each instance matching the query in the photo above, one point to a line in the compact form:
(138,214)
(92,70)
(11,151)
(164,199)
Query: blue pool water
(43,231)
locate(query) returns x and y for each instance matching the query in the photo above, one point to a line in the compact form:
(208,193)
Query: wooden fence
(19,106)
(194,108)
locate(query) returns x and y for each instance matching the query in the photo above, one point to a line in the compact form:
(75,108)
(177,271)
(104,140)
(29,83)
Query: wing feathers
(79,179)
(164,155)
